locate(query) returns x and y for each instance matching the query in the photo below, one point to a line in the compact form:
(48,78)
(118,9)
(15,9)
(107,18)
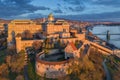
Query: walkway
(26,68)
(25,73)
(108,76)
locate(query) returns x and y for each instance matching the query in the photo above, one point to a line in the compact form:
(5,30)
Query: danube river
(114,31)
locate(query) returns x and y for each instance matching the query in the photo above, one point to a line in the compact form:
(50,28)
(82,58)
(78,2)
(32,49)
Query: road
(108,76)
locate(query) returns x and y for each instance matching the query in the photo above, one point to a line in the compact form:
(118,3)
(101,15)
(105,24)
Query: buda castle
(50,28)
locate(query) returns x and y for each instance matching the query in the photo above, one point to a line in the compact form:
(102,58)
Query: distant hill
(71,22)
(4,21)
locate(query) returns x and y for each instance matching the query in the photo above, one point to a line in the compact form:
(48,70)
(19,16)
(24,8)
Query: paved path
(25,69)
(25,72)
(108,76)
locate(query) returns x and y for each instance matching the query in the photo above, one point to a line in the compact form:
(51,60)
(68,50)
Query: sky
(70,9)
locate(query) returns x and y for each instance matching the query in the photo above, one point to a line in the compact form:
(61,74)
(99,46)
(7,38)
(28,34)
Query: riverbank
(102,29)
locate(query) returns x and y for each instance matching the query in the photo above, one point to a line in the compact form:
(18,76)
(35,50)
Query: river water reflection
(101,30)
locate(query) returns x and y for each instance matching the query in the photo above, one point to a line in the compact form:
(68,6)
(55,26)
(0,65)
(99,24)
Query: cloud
(59,5)
(34,15)
(74,2)
(81,9)
(115,3)
(75,5)
(17,7)
(101,16)
(57,11)
(76,9)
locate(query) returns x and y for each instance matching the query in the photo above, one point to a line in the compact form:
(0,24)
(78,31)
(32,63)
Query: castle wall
(53,36)
(51,69)
(66,40)
(80,36)
(100,48)
(20,26)
(1,27)
(65,35)
(51,28)
(22,44)
(117,52)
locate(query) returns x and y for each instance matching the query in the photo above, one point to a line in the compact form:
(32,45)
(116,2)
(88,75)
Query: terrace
(53,55)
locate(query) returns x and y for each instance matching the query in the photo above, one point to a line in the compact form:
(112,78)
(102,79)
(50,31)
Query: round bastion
(49,68)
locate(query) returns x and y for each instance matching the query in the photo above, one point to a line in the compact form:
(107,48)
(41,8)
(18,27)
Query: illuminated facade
(1,27)
(19,26)
(52,29)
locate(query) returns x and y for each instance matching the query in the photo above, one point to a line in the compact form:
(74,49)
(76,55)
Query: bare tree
(19,77)
(27,34)
(37,45)
(4,72)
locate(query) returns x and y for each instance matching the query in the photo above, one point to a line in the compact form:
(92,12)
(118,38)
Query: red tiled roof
(73,46)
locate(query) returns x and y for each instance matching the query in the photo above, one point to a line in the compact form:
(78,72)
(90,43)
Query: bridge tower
(108,35)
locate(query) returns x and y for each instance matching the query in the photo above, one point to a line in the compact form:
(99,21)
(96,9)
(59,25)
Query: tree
(27,34)
(86,69)
(16,62)
(8,60)
(19,77)
(47,45)
(11,50)
(76,43)
(4,72)
(37,45)
(52,45)
(31,72)
(46,51)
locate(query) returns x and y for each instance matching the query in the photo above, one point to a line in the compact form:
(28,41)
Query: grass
(2,52)
(116,59)
(12,75)
(31,69)
(2,56)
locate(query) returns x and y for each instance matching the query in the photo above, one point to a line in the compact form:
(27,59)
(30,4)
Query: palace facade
(2,27)
(51,28)
(19,26)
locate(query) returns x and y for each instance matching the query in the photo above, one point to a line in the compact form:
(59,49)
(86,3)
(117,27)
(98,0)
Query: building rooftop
(22,22)
(73,46)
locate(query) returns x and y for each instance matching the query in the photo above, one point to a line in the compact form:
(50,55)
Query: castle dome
(50,17)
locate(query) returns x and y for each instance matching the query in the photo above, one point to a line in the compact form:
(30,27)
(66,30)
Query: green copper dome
(50,15)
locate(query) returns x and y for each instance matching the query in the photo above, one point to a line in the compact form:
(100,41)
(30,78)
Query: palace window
(47,68)
(38,66)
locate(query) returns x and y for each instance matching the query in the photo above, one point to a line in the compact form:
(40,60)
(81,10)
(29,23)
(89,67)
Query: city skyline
(69,9)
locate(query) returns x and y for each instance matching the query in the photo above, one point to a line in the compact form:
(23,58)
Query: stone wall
(1,27)
(19,26)
(100,48)
(117,52)
(22,44)
(80,36)
(51,69)
(65,40)
(52,28)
